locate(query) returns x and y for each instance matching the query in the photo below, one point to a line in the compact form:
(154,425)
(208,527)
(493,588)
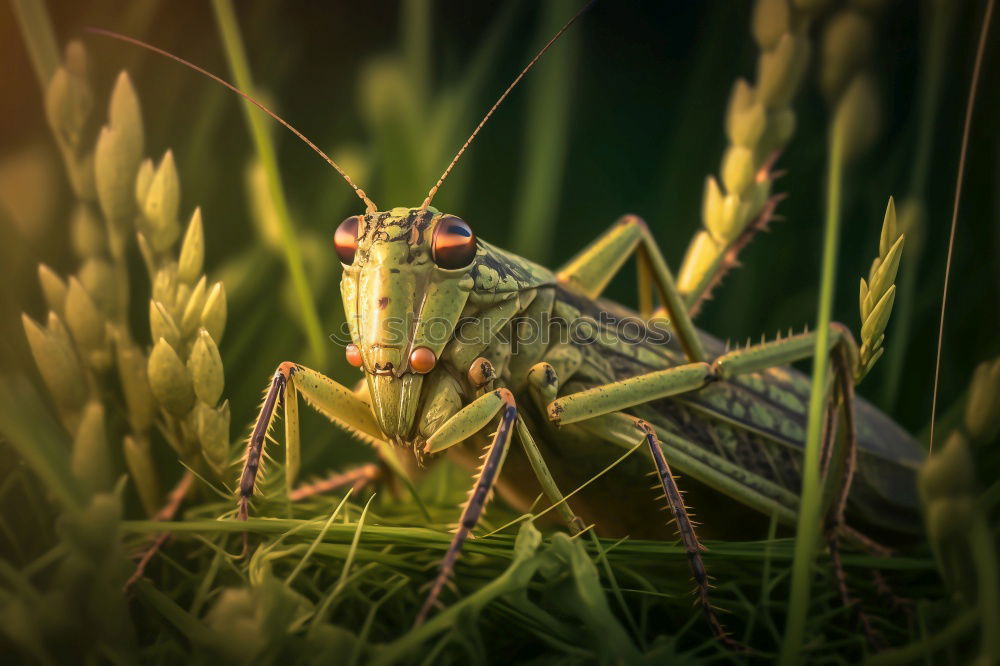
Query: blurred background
(624,115)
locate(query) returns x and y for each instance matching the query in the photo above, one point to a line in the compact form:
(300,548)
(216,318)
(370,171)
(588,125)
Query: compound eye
(345,239)
(454,244)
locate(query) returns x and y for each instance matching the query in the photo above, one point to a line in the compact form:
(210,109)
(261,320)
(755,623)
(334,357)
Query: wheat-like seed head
(879,292)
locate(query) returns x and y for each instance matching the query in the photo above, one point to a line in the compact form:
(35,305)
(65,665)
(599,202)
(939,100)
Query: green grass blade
(264,144)
(188,625)
(319,537)
(958,627)
(349,560)
(545,136)
(417,44)
(807,533)
(39,37)
(38,440)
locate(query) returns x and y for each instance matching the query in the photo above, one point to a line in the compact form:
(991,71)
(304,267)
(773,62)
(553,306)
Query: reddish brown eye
(454,244)
(345,239)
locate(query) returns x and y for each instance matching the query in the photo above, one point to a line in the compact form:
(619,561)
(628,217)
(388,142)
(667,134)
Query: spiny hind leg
(840,456)
(355,478)
(594,267)
(335,401)
(626,430)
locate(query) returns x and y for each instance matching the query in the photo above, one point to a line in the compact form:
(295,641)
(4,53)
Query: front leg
(466,422)
(338,403)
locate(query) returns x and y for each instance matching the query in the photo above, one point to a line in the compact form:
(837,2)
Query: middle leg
(593,268)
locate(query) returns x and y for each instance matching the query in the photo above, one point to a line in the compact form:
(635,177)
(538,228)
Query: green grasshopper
(456,337)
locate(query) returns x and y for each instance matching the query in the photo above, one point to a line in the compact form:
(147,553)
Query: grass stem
(807,533)
(39,37)
(264,143)
(908,654)
(545,140)
(417,45)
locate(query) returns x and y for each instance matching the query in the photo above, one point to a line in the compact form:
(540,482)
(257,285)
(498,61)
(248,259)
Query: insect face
(406,280)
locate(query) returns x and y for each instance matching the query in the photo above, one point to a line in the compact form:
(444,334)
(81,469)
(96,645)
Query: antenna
(369,204)
(437,186)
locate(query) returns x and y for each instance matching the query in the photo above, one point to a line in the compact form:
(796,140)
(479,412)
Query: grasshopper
(462,344)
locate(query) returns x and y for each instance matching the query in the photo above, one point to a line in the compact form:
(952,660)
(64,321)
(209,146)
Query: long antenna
(437,186)
(970,103)
(369,204)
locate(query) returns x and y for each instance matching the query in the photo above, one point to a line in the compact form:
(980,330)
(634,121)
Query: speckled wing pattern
(758,420)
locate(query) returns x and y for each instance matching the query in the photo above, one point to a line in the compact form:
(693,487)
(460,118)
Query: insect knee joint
(481,372)
(505,395)
(631,219)
(645,428)
(544,382)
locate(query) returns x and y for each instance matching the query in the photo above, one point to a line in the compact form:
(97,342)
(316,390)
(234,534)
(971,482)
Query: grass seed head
(131,363)
(771,19)
(213,434)
(982,411)
(780,70)
(846,47)
(142,472)
(213,315)
(87,324)
(87,231)
(170,380)
(58,364)
(192,255)
(160,206)
(162,325)
(53,288)
(117,154)
(857,116)
(878,293)
(100,282)
(90,461)
(69,99)
(191,318)
(205,366)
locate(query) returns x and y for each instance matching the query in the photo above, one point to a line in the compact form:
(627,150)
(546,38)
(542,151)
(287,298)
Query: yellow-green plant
(173,386)
(958,520)
(879,292)
(759,122)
